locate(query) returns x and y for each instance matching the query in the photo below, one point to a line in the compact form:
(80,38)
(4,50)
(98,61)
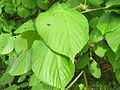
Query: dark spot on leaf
(49,24)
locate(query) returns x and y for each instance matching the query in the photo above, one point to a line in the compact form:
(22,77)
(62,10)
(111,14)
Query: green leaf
(20,44)
(110,3)
(22,64)
(30,4)
(50,67)
(21,78)
(95,69)
(64,30)
(95,36)
(113,40)
(81,86)
(112,59)
(43,86)
(83,61)
(34,80)
(27,26)
(108,22)
(6,78)
(96,2)
(0,11)
(118,75)
(100,49)
(44,4)
(13,87)
(74,3)
(30,36)
(10,8)
(23,12)
(6,43)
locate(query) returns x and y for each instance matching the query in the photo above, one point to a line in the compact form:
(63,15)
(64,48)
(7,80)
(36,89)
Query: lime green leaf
(113,40)
(110,3)
(83,61)
(6,78)
(27,26)
(95,69)
(64,30)
(100,49)
(6,43)
(20,44)
(50,67)
(43,86)
(10,8)
(34,80)
(22,64)
(23,12)
(30,4)
(44,4)
(108,22)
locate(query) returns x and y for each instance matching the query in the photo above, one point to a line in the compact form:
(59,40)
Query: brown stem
(90,10)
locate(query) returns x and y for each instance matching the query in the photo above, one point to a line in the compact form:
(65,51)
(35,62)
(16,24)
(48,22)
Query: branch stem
(86,82)
(72,83)
(91,10)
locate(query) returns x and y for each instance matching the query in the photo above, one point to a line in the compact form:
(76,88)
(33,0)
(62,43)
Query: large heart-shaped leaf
(50,67)
(64,30)
(6,43)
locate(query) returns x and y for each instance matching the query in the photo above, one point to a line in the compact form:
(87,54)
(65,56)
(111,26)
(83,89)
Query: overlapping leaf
(22,63)
(50,67)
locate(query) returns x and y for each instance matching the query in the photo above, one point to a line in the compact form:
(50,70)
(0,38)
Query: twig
(71,84)
(90,10)
(86,82)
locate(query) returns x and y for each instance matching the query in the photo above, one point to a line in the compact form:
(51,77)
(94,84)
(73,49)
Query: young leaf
(50,67)
(64,30)
(95,69)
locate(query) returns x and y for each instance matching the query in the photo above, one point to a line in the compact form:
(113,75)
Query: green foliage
(45,44)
